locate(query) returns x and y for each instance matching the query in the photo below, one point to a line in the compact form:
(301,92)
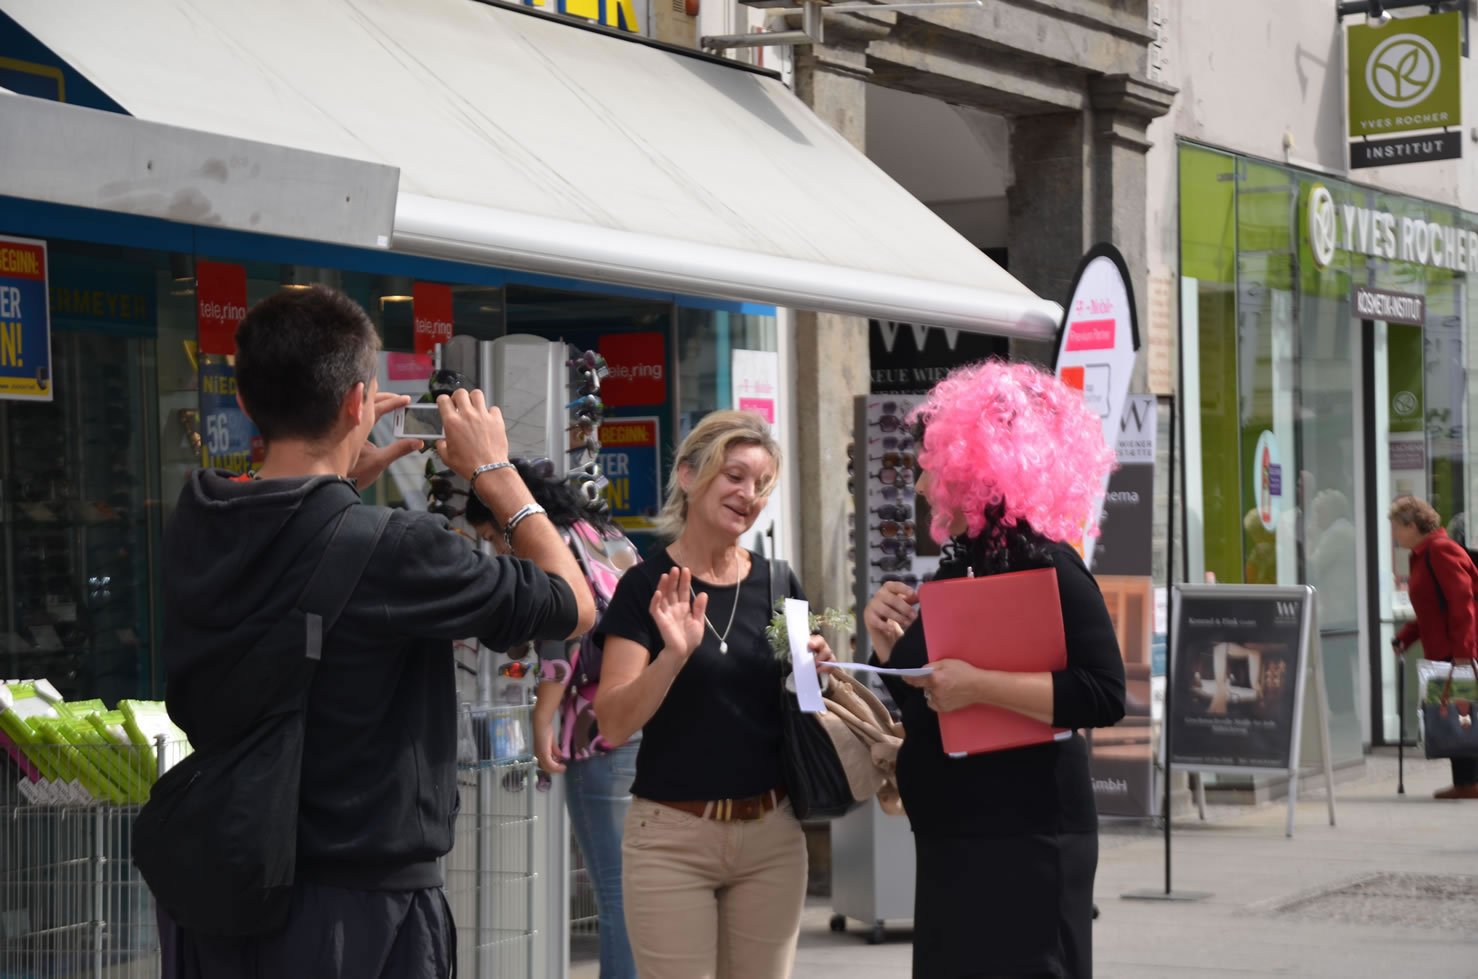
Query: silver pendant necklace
(723,637)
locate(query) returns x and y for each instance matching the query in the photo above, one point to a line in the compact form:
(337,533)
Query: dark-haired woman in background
(1007,841)
(598,775)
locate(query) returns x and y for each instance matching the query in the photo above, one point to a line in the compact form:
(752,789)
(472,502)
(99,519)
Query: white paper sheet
(798,630)
(887,670)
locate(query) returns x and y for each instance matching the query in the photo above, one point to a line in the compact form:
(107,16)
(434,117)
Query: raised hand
(679,617)
(475,435)
(374,459)
(888,614)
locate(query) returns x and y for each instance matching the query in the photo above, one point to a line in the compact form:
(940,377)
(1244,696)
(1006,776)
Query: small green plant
(827,619)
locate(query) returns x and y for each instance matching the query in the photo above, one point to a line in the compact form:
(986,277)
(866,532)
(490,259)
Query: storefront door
(1417,437)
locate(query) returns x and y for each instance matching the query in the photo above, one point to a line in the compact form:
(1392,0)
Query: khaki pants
(712,900)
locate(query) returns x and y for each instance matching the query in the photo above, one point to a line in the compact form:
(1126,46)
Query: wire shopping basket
(71,902)
(490,873)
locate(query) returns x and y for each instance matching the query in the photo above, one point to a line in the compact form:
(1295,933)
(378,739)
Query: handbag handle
(1447,688)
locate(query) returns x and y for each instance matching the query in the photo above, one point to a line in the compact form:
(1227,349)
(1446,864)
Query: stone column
(1123,107)
(1048,203)
(1080,179)
(831,362)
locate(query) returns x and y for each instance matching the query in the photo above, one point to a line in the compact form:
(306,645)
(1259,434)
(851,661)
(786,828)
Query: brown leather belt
(729,810)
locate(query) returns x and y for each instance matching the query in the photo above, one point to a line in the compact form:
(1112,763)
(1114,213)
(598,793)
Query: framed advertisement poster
(1238,664)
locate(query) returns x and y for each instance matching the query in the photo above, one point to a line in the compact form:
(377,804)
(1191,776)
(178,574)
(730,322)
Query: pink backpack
(604,559)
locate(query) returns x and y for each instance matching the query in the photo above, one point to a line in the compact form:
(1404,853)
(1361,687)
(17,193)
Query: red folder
(1010,622)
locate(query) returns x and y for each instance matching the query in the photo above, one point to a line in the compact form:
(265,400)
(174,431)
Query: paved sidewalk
(1392,890)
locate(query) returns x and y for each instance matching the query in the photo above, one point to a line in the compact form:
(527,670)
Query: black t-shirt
(717,733)
(1042,788)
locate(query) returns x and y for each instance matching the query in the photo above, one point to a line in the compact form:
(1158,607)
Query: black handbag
(1447,726)
(815,778)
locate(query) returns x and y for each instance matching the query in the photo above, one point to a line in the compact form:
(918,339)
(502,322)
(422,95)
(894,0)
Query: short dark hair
(298,353)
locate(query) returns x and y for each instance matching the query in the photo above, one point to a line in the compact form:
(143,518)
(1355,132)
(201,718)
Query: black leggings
(1464,771)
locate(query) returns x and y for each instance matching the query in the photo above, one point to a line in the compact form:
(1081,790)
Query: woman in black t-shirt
(714,862)
(1006,841)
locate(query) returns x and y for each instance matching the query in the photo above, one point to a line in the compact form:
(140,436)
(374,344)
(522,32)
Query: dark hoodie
(379,791)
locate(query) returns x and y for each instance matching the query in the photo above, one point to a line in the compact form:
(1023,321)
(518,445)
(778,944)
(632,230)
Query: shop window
(80,518)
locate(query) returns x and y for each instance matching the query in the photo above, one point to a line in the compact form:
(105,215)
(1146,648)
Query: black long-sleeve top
(1043,788)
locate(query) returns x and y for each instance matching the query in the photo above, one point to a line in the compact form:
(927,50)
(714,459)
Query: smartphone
(417,421)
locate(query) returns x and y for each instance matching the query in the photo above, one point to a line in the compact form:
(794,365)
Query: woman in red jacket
(1443,584)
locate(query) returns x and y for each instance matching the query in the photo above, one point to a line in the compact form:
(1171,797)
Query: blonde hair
(1415,512)
(704,452)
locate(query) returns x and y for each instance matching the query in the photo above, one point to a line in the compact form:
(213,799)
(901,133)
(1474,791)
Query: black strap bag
(815,778)
(1447,726)
(217,840)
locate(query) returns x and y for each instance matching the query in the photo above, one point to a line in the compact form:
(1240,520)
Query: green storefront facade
(1305,415)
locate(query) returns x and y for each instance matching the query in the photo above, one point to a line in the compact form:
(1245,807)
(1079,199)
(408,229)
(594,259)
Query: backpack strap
(582,558)
(339,571)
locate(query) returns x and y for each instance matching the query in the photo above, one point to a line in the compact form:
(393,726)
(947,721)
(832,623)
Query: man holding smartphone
(378,793)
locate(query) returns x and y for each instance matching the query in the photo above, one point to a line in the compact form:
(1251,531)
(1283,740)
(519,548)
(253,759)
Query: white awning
(530,143)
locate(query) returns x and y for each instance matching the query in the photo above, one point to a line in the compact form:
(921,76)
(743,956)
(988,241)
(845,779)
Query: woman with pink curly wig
(1006,842)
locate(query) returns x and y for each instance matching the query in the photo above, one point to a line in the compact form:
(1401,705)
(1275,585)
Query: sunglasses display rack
(76,526)
(883,467)
(882,480)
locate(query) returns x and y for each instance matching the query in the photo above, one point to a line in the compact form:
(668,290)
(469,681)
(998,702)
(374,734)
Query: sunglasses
(586,472)
(542,467)
(895,511)
(589,380)
(889,423)
(585,424)
(911,580)
(890,475)
(590,361)
(588,403)
(898,563)
(901,546)
(892,528)
(515,670)
(894,459)
(444,510)
(888,493)
(903,443)
(589,444)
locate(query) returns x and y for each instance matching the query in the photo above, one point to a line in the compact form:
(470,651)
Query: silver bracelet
(528,509)
(490,467)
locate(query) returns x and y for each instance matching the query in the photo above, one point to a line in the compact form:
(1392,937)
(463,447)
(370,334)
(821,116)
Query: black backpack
(217,840)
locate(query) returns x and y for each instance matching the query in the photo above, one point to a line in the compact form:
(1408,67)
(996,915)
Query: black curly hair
(998,548)
(559,499)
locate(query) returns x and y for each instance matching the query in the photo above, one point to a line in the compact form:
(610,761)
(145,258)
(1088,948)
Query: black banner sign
(1406,149)
(1393,307)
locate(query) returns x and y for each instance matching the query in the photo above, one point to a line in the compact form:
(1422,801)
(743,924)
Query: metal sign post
(1241,656)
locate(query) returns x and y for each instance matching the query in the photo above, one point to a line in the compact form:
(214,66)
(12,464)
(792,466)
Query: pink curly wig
(1012,435)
